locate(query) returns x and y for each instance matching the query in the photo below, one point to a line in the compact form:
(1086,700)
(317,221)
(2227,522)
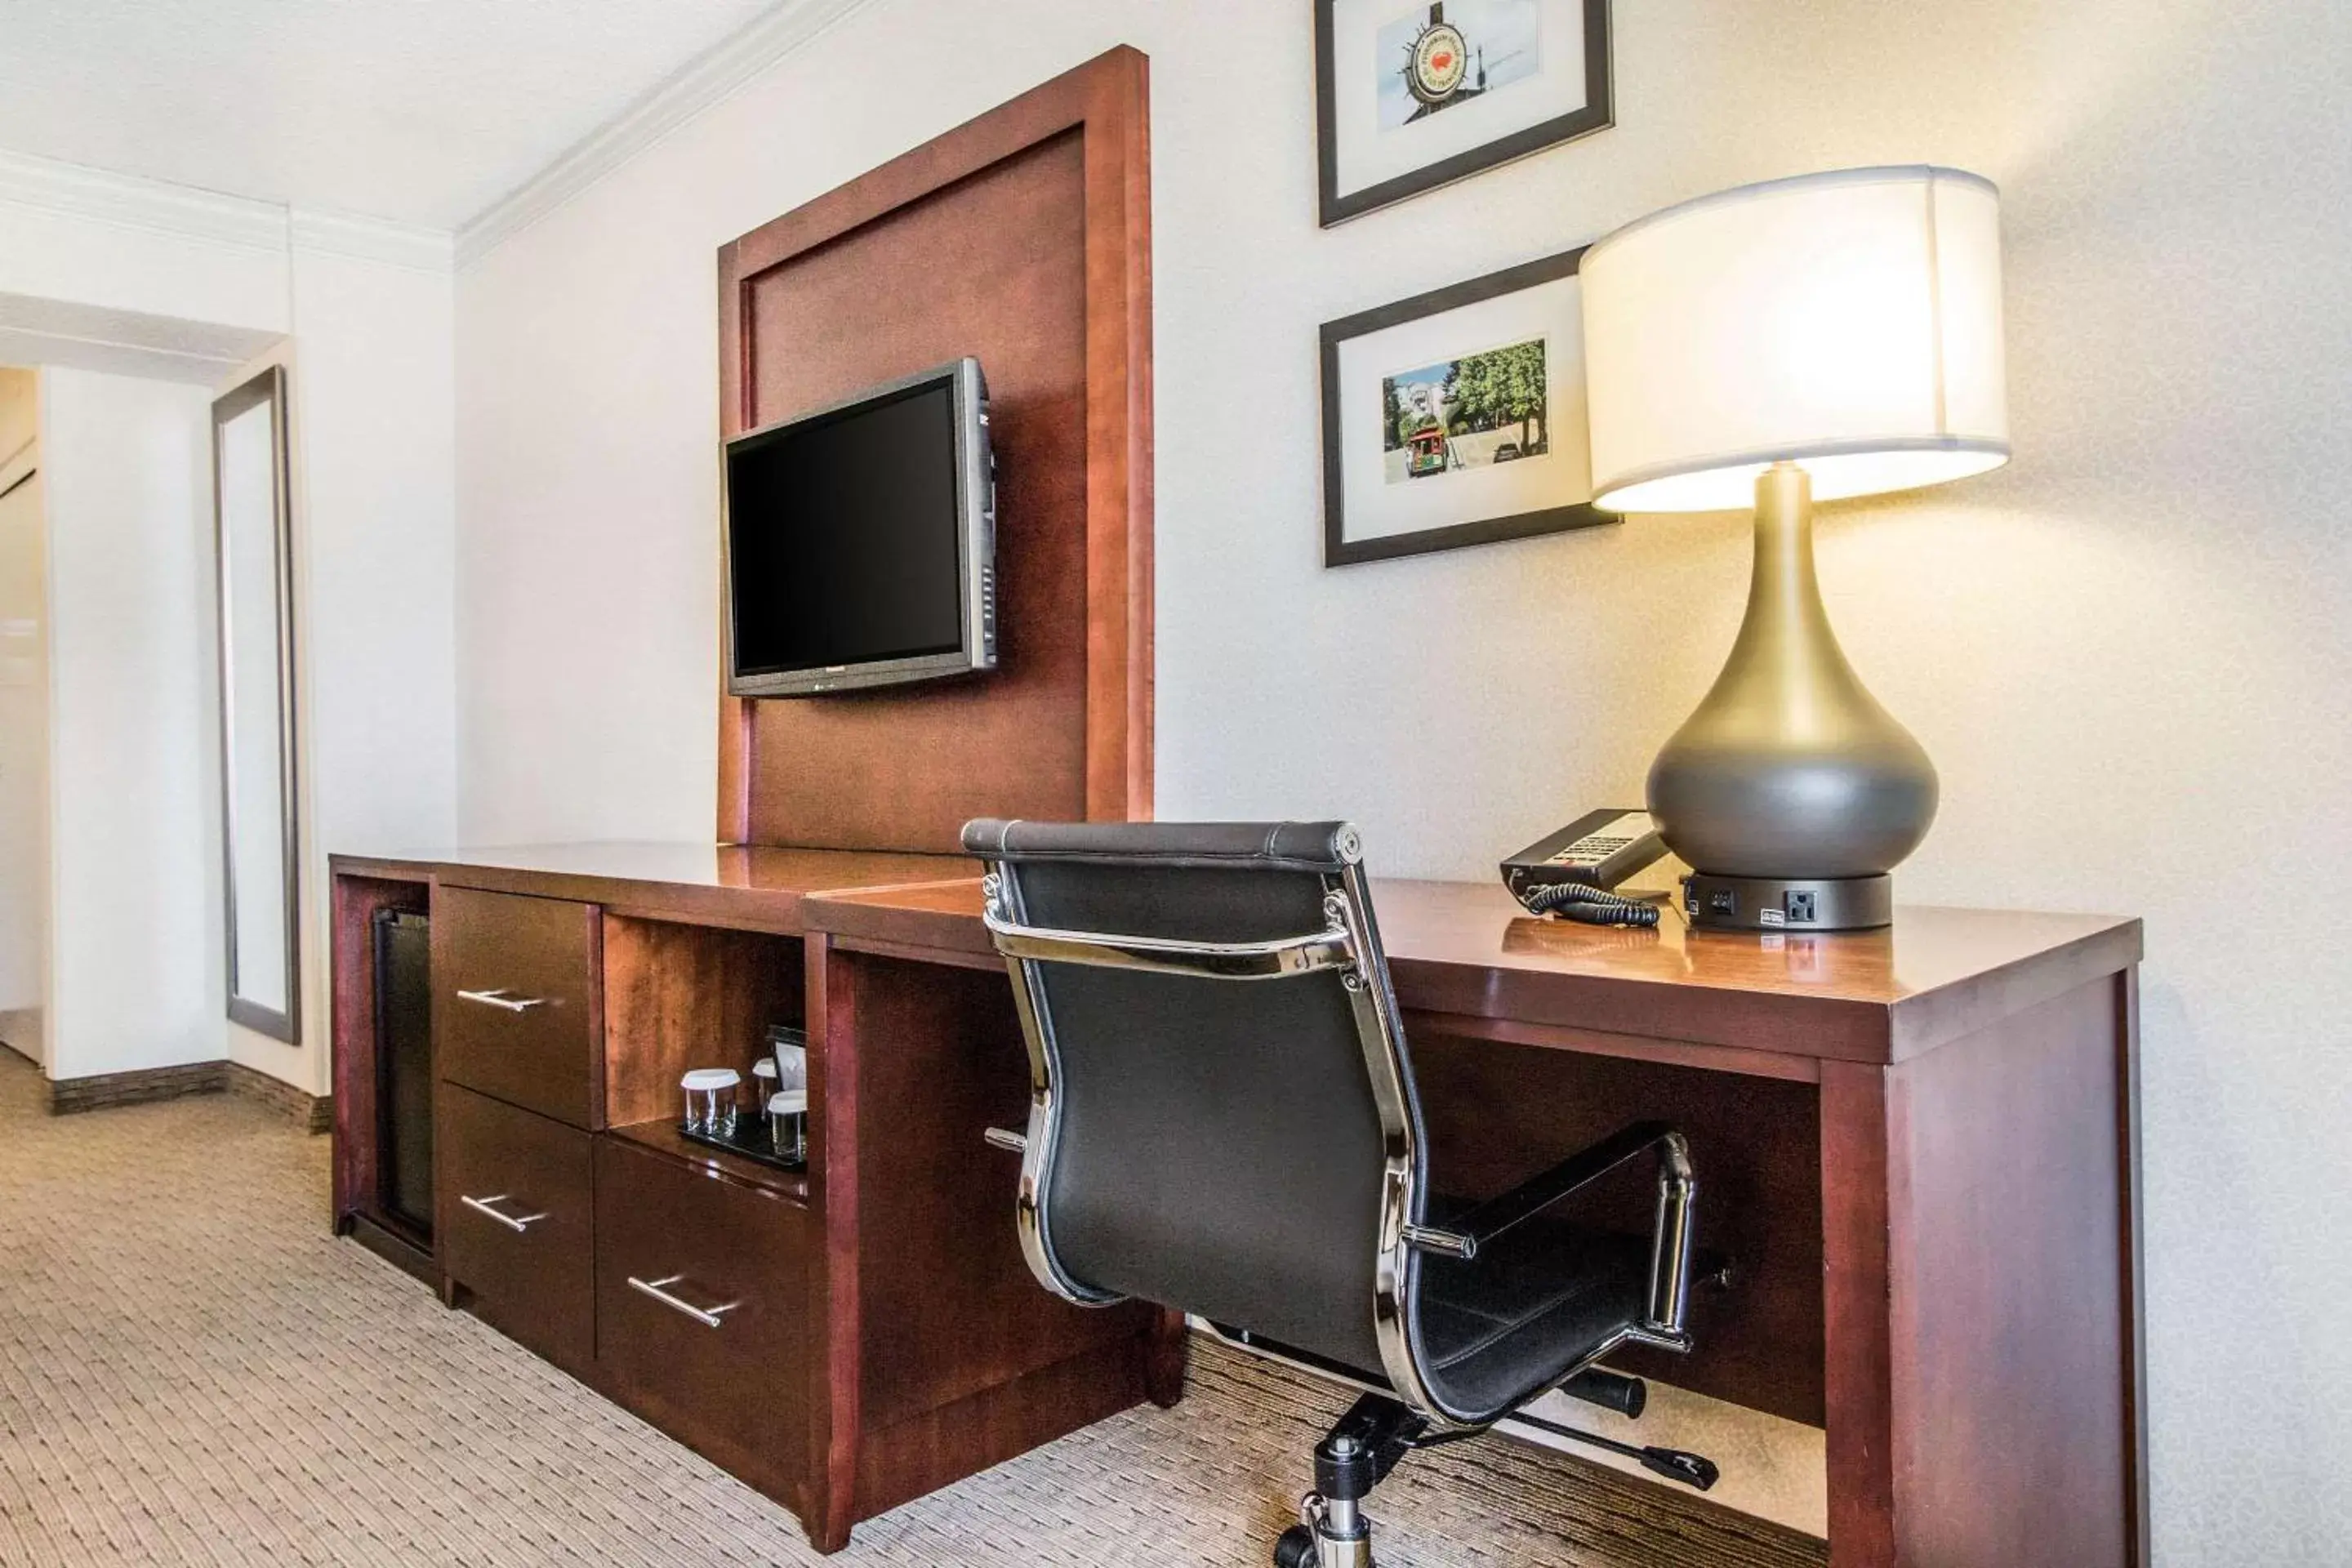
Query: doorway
(24,722)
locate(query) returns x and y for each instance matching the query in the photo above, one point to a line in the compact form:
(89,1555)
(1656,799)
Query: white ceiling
(425,111)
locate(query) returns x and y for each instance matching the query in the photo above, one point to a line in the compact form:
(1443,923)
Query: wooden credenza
(1917,1148)
(843,1340)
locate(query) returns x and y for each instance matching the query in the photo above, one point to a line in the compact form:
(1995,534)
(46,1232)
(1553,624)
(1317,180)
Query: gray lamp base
(1787,903)
(1789,781)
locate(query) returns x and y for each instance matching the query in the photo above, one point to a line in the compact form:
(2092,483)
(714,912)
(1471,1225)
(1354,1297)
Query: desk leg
(1858,1381)
(1981,1296)
(2134,1269)
(836,1413)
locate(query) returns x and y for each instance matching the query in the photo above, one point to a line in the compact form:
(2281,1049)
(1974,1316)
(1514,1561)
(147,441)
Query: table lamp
(1832,335)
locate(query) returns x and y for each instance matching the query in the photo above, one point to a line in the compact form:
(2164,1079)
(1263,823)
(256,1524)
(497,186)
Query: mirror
(252,534)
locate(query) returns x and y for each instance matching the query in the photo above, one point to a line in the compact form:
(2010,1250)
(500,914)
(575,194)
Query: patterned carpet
(194,1371)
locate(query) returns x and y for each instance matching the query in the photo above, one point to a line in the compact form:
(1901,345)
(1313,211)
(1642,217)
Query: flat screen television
(861,541)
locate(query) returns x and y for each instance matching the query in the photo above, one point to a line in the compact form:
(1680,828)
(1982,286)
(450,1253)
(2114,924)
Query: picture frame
(1456,417)
(1414,94)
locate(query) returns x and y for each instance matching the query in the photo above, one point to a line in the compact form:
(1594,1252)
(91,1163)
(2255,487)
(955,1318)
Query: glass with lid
(788,1124)
(711,1094)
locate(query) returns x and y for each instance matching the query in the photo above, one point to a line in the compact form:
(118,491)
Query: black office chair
(1223,1120)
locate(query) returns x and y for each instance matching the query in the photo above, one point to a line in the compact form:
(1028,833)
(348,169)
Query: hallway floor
(194,1371)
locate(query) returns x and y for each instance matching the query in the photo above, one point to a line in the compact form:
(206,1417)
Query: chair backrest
(1223,1118)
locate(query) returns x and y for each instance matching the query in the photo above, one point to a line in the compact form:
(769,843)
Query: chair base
(1376,1434)
(1354,1456)
(1306,1546)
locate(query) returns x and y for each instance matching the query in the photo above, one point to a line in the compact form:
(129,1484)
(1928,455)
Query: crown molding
(129,200)
(188,212)
(708,79)
(374,239)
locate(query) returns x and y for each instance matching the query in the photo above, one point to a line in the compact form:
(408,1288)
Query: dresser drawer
(515,1221)
(701,1311)
(516,1008)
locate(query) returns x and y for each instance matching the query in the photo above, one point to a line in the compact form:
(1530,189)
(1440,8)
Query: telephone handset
(1570,873)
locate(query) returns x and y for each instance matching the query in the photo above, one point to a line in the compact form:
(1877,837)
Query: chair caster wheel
(1296,1549)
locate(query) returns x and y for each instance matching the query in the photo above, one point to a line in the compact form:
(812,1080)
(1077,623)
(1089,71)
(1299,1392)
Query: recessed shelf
(682,997)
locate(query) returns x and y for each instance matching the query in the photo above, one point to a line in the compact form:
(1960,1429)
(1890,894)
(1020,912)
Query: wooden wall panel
(1023,238)
(905,769)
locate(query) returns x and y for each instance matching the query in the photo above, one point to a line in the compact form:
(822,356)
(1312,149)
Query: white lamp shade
(1846,322)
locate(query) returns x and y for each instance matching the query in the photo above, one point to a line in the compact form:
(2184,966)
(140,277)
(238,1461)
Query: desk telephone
(1570,873)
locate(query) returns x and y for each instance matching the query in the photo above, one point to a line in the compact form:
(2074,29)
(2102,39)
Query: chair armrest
(1578,1171)
(1670,1258)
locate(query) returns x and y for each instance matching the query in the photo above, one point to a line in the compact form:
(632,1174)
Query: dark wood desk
(1917,1147)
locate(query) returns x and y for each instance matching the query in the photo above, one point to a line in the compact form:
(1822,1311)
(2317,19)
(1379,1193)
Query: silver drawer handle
(499,998)
(516,1223)
(707,1316)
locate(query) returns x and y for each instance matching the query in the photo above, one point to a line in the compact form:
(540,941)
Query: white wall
(2128,652)
(100,271)
(370,365)
(135,799)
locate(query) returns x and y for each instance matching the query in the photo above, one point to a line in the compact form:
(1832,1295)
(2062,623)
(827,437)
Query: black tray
(750,1139)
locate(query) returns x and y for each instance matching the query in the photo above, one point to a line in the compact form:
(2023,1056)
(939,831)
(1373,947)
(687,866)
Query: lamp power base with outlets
(1787,903)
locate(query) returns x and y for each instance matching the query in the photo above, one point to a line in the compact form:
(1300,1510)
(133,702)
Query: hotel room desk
(1918,1146)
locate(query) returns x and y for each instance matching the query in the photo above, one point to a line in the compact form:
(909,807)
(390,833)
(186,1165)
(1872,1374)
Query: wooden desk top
(758,888)
(1468,950)
(1463,952)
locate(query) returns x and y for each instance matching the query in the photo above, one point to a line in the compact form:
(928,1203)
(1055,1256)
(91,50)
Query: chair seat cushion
(1535,1304)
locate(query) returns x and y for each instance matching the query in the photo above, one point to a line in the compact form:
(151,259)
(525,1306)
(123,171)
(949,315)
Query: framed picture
(1458,417)
(1412,95)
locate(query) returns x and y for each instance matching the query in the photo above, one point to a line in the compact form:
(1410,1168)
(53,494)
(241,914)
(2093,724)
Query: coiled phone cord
(1589,905)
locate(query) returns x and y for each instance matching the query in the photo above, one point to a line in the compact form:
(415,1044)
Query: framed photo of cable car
(1458,417)
(1410,96)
